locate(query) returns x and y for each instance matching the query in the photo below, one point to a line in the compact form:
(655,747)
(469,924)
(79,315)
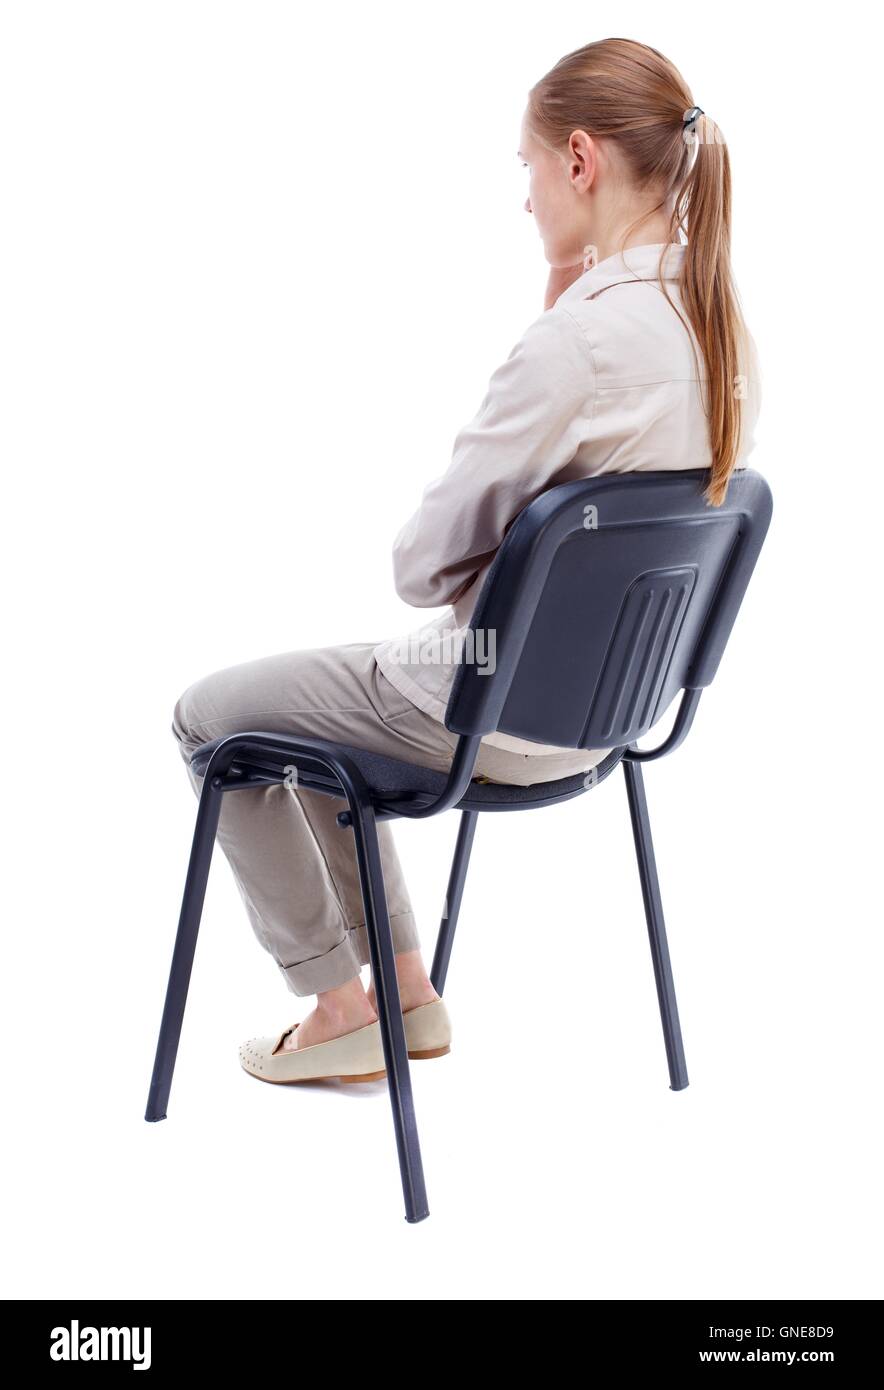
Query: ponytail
(703,211)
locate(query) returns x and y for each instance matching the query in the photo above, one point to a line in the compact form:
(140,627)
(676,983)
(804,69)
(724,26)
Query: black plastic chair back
(607,596)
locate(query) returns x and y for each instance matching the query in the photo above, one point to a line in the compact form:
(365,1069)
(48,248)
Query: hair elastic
(690,117)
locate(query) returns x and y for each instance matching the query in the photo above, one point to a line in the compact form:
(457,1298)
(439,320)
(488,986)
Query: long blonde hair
(628,93)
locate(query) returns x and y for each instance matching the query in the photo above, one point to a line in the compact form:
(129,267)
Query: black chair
(607,598)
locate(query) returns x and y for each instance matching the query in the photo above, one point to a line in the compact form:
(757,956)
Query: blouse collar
(635,263)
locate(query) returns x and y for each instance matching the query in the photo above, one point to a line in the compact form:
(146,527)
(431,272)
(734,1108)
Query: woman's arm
(530,424)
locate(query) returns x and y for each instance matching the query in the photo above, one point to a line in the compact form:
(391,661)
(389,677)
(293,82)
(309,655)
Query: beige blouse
(604,381)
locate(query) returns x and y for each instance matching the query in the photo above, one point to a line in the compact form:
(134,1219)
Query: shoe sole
(348,1080)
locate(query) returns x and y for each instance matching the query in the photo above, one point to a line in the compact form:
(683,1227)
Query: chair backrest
(607,596)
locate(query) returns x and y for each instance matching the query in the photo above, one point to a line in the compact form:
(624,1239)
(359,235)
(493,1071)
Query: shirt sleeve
(529,425)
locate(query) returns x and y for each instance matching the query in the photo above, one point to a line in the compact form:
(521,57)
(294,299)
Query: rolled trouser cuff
(403,929)
(345,961)
(328,971)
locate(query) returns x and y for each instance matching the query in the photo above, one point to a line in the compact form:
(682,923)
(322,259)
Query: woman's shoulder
(637,331)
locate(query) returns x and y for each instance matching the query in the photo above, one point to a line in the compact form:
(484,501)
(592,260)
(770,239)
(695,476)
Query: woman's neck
(622,233)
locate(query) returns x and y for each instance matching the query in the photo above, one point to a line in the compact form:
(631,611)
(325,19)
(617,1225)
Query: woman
(640,360)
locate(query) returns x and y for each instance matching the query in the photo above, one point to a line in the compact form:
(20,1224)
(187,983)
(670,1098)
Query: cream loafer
(357,1056)
(428,1029)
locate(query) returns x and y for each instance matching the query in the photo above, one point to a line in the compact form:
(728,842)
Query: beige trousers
(293,864)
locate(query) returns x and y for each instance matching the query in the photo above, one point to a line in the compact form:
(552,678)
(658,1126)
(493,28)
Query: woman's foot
(343,1010)
(338,1011)
(415,987)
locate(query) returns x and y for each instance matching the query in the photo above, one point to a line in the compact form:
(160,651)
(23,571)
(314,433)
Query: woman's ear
(583,160)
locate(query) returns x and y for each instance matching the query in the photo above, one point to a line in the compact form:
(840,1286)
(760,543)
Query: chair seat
(390,779)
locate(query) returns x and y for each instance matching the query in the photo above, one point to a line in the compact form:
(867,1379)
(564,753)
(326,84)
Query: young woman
(640,360)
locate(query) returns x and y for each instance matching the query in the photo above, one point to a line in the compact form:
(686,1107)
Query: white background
(258,264)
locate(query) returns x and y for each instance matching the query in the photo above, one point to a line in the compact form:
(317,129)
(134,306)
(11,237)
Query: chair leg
(185,946)
(389,1005)
(647,868)
(451,911)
